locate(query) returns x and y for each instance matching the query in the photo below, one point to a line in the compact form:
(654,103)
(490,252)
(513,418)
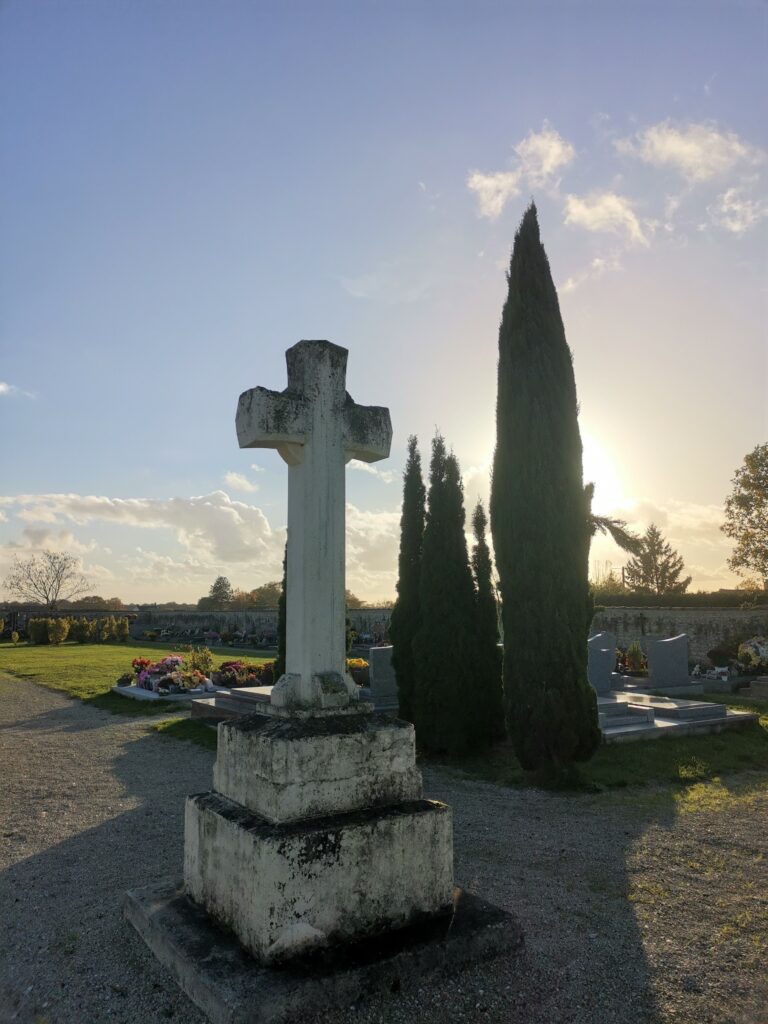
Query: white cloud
(494,191)
(11,389)
(541,156)
(697,151)
(257,468)
(735,211)
(373,539)
(605,211)
(213,526)
(597,268)
(239,482)
(386,475)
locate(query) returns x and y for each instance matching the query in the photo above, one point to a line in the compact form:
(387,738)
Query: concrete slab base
(137,693)
(231,988)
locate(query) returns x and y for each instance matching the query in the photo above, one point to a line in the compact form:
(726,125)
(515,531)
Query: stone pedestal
(316,833)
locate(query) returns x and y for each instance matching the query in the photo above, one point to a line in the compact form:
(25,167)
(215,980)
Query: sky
(191,187)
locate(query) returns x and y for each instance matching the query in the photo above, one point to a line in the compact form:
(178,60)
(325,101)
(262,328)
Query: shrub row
(83,631)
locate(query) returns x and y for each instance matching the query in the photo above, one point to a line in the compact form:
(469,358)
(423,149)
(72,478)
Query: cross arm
(270,419)
(367,431)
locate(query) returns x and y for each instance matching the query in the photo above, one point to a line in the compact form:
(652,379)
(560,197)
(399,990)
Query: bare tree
(47,578)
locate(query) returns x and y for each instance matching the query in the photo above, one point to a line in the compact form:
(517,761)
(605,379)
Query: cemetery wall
(365,620)
(706,627)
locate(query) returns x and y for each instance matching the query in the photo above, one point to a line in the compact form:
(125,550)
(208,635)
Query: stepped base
(230,988)
(287,888)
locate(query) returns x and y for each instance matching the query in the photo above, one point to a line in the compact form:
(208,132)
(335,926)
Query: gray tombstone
(601,659)
(382,689)
(668,661)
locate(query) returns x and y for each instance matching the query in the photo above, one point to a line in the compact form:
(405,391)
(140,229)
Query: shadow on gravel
(564,865)
(560,864)
(67,954)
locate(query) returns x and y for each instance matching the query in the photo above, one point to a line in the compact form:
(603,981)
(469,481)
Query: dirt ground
(641,905)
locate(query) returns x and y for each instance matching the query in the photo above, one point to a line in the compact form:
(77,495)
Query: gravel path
(637,907)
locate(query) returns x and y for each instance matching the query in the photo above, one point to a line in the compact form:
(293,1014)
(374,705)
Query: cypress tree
(406,614)
(279,669)
(488,690)
(446,714)
(540,520)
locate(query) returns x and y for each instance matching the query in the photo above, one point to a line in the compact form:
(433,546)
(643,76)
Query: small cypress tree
(540,519)
(488,690)
(406,614)
(281,617)
(446,714)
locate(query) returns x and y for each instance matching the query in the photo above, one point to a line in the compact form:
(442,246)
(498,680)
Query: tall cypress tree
(406,614)
(540,521)
(488,690)
(446,715)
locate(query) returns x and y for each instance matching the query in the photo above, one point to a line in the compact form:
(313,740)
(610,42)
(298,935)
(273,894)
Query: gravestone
(601,661)
(382,688)
(315,838)
(668,662)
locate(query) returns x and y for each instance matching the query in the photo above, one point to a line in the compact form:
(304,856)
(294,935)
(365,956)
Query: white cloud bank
(698,151)
(217,534)
(605,212)
(540,158)
(214,526)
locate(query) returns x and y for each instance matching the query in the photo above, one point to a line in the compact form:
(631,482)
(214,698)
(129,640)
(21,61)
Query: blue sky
(189,188)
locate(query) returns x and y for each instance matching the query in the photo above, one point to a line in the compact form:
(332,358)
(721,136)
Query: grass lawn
(89,671)
(685,760)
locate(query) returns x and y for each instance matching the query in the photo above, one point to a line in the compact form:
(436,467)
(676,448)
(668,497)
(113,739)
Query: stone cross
(316,427)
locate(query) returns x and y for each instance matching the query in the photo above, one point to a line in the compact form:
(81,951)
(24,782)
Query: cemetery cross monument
(316,427)
(316,835)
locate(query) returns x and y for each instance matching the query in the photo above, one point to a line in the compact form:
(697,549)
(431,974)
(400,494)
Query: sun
(600,469)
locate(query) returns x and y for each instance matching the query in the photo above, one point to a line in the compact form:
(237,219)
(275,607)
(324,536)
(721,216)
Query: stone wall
(255,620)
(706,627)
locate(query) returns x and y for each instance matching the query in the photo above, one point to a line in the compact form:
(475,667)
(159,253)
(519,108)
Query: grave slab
(231,988)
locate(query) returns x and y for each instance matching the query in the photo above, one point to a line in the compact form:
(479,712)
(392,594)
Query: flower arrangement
(168,675)
(359,670)
(239,673)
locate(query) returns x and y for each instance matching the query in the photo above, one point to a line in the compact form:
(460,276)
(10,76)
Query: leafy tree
(352,601)
(406,614)
(657,569)
(607,586)
(240,599)
(221,593)
(281,620)
(267,595)
(541,522)
(488,689)
(93,602)
(47,578)
(746,515)
(447,715)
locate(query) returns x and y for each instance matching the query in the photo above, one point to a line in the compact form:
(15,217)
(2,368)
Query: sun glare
(600,470)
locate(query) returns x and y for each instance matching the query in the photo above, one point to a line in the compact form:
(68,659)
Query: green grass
(684,761)
(89,671)
(188,729)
